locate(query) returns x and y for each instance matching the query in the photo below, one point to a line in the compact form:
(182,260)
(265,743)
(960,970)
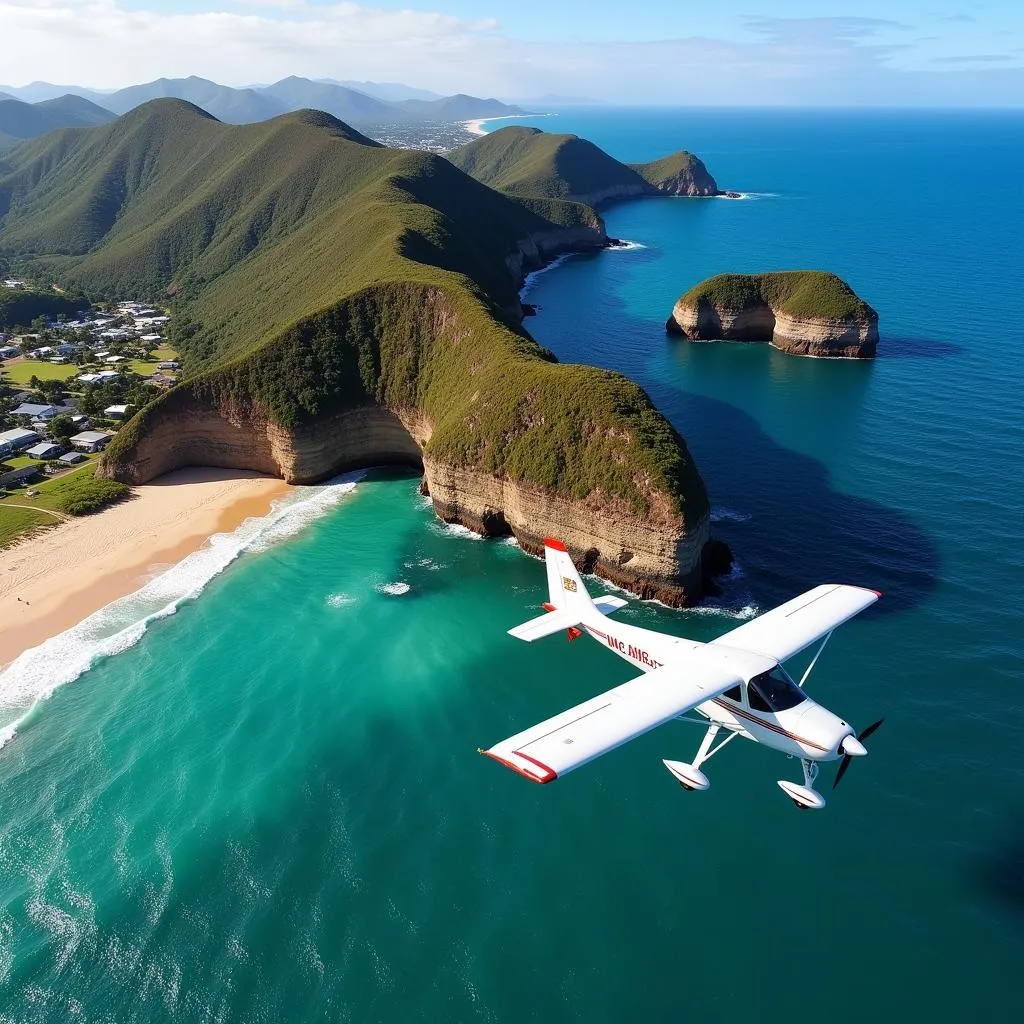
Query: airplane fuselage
(804,729)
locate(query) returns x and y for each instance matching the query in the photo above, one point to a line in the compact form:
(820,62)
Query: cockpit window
(773,691)
(734,694)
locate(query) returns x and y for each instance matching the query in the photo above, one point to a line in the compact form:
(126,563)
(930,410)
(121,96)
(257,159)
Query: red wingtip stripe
(552,542)
(548,606)
(549,774)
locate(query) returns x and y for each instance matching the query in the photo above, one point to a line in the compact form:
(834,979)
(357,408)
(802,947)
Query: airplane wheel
(689,789)
(800,806)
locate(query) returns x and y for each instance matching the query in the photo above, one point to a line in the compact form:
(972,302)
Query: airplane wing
(789,628)
(592,728)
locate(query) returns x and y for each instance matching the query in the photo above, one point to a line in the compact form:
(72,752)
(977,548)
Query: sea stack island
(803,312)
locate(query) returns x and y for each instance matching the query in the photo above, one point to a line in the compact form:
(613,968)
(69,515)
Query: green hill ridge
(317,276)
(523,161)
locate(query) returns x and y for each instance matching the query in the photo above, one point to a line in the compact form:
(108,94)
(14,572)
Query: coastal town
(67,383)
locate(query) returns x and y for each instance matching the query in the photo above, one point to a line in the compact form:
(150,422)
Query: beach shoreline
(51,582)
(475,126)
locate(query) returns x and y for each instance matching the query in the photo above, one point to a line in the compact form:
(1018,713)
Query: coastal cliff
(338,304)
(517,445)
(809,313)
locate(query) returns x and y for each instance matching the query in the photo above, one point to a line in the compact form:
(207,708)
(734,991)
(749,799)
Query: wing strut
(814,660)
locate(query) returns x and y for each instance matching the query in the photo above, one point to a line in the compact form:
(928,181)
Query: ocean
(252,792)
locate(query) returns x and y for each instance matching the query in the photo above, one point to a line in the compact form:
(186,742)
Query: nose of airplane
(854,747)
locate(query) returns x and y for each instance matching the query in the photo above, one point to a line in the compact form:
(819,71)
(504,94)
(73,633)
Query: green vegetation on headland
(313,271)
(529,162)
(798,293)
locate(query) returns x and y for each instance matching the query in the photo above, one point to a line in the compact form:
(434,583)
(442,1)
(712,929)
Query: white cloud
(106,44)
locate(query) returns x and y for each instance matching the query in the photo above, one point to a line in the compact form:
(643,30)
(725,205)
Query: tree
(61,427)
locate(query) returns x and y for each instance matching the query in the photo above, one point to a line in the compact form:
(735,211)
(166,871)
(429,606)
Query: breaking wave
(454,530)
(625,245)
(531,278)
(728,515)
(36,673)
(394,589)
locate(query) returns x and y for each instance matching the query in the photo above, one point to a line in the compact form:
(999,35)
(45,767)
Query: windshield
(773,691)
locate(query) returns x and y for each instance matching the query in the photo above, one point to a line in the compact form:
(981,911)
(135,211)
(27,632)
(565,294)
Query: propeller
(847,758)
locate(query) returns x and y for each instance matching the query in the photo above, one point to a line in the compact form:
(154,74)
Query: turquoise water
(268,807)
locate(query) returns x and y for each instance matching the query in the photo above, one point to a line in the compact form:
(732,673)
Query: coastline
(73,570)
(475,126)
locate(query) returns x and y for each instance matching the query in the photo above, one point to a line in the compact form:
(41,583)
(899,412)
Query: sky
(651,52)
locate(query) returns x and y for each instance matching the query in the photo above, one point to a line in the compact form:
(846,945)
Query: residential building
(29,410)
(16,440)
(71,459)
(115,412)
(91,440)
(45,450)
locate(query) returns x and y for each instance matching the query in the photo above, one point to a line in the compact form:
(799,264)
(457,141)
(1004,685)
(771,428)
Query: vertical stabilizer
(566,591)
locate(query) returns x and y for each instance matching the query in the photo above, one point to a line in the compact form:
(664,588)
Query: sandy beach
(67,573)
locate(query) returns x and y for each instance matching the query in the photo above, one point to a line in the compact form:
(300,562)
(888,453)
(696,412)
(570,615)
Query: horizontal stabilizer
(607,605)
(545,625)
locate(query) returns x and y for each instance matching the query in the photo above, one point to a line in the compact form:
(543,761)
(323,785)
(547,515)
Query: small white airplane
(737,683)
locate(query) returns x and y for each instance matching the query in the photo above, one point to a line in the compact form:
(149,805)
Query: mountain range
(243,106)
(20,120)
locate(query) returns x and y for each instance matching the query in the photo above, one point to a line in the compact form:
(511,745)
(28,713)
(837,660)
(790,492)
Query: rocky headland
(803,312)
(530,163)
(338,304)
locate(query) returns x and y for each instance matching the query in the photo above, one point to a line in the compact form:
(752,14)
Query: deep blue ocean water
(269,807)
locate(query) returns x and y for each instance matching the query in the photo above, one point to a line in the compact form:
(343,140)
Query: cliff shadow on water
(788,526)
(800,531)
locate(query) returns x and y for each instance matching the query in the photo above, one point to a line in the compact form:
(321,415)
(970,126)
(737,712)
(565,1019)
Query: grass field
(20,461)
(21,371)
(19,523)
(147,367)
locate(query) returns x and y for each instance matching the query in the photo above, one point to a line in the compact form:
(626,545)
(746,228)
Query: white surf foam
(454,530)
(531,278)
(339,600)
(625,245)
(720,514)
(35,674)
(394,589)
(423,563)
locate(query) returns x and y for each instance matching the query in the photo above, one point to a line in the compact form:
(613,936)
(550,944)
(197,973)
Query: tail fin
(568,605)
(566,591)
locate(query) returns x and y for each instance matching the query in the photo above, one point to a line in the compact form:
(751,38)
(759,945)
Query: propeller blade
(843,765)
(870,729)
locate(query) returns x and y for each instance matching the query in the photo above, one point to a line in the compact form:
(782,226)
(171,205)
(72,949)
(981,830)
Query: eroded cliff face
(851,338)
(654,554)
(193,431)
